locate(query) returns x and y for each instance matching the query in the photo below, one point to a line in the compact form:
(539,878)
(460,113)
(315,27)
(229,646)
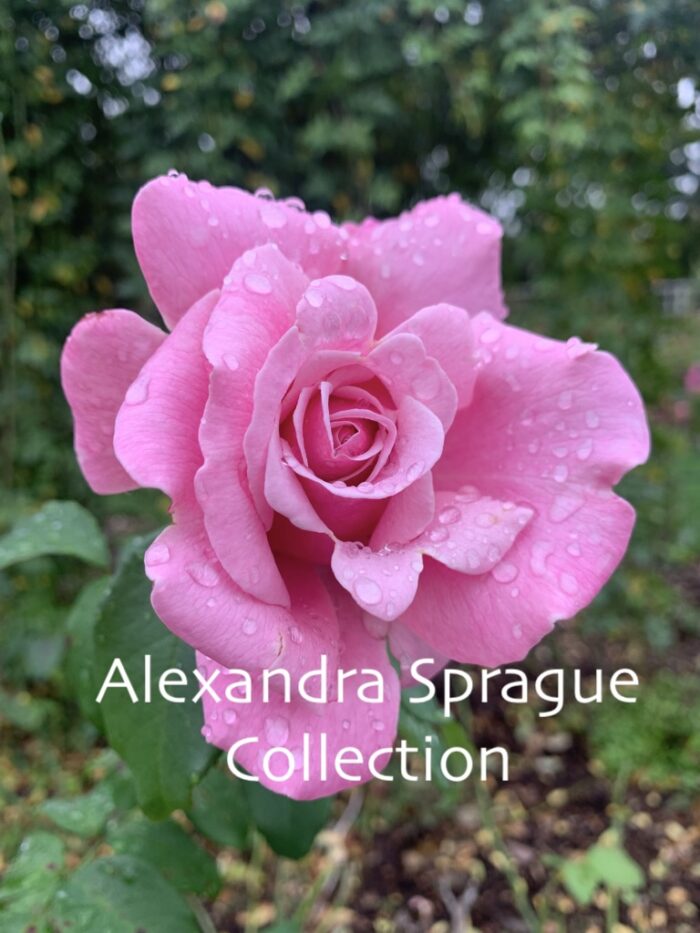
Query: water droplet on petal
(568,583)
(276,730)
(436,535)
(157,554)
(230,716)
(137,393)
(204,574)
(449,515)
(257,283)
(426,385)
(566,400)
(490,335)
(592,419)
(314,298)
(505,572)
(565,506)
(414,471)
(272,215)
(250,626)
(585,449)
(560,473)
(295,635)
(367,591)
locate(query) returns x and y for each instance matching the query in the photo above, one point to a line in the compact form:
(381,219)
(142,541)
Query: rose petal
(407,514)
(442,250)
(472,533)
(156,430)
(197,600)
(353,722)
(446,333)
(553,427)
(187,236)
(256,307)
(382,582)
(401,361)
(100,360)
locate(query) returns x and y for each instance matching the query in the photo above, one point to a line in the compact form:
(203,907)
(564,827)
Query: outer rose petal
(100,359)
(156,430)
(256,307)
(354,722)
(187,236)
(553,425)
(196,599)
(442,250)
(496,618)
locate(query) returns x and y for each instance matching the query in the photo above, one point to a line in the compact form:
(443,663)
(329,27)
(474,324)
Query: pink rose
(357,450)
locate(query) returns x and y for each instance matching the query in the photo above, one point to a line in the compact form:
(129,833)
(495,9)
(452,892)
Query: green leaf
(615,868)
(57,528)
(30,882)
(220,810)
(121,894)
(84,815)
(289,826)
(168,848)
(580,879)
(160,741)
(80,660)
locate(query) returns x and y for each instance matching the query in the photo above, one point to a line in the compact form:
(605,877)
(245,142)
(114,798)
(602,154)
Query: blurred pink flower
(358,450)
(692,379)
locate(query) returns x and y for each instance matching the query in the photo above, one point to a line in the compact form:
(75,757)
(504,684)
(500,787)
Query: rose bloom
(360,454)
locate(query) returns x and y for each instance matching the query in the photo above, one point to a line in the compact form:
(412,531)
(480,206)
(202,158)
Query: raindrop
(230,716)
(367,591)
(414,471)
(490,335)
(592,419)
(314,298)
(204,574)
(566,400)
(505,572)
(426,385)
(250,626)
(564,507)
(568,583)
(157,554)
(449,515)
(137,393)
(436,535)
(257,283)
(272,215)
(276,730)
(585,449)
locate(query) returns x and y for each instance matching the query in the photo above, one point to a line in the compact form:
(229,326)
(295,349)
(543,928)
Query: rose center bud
(340,441)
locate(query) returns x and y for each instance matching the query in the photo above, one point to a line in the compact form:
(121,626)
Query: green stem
(510,871)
